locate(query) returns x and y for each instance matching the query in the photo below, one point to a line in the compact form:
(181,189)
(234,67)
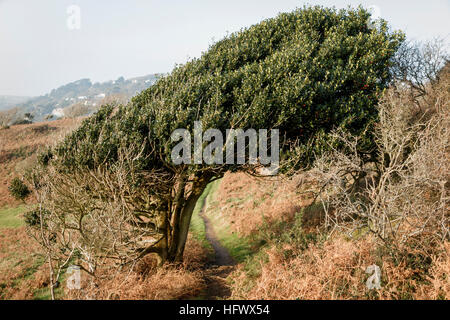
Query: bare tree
(405,193)
(418,64)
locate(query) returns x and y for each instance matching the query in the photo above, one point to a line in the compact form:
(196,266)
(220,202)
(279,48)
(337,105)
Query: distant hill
(81,93)
(8,102)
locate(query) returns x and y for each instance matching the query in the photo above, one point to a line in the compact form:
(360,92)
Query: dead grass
(417,267)
(19,145)
(336,270)
(146,282)
(22,269)
(294,262)
(290,265)
(440,274)
(247,203)
(24,275)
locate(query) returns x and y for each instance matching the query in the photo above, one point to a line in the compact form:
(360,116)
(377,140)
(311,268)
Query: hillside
(22,269)
(19,145)
(82,93)
(9,102)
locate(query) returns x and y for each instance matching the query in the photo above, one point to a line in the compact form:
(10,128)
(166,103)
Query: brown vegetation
(145,281)
(247,202)
(336,270)
(22,271)
(394,215)
(19,145)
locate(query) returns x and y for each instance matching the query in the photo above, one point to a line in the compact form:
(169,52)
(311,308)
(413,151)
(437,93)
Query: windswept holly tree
(111,191)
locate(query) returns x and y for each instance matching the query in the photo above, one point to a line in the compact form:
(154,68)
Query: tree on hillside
(111,190)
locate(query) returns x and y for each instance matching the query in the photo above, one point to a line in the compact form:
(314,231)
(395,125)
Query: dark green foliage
(33,217)
(22,121)
(304,72)
(18,189)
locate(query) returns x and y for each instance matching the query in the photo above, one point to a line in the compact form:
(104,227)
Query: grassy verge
(238,247)
(11,217)
(45,293)
(197,227)
(20,262)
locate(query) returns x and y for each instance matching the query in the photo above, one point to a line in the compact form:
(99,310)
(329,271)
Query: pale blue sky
(137,37)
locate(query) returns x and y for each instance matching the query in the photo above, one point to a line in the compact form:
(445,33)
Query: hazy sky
(38,51)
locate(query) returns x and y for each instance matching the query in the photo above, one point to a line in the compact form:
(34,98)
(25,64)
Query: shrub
(33,218)
(304,72)
(22,121)
(18,189)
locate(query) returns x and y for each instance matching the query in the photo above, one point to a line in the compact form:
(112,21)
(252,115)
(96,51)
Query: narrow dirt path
(217,270)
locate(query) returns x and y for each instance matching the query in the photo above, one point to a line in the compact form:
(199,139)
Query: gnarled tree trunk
(170,248)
